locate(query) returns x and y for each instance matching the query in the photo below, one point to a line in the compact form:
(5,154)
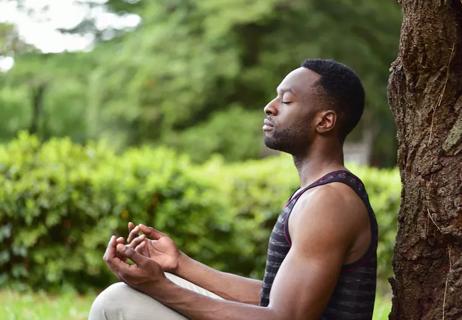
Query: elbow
(277,314)
(288,314)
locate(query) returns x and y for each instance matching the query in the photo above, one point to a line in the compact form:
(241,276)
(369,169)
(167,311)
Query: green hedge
(60,202)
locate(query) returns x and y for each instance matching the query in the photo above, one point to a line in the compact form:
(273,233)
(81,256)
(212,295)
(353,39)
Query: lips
(267,125)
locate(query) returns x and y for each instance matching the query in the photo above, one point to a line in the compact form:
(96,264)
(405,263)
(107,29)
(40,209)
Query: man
(322,252)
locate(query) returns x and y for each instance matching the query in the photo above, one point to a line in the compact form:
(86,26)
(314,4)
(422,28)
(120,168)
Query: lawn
(70,306)
(42,306)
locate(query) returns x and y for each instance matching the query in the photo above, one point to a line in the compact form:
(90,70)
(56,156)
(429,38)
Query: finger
(122,269)
(137,258)
(110,252)
(139,248)
(120,240)
(133,233)
(150,232)
(137,241)
(120,252)
(110,256)
(142,245)
(131,225)
(120,248)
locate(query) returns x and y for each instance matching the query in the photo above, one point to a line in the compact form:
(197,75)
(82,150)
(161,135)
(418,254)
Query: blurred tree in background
(196,74)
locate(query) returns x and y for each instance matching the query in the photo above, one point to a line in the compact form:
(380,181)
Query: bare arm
(321,238)
(226,285)
(163,250)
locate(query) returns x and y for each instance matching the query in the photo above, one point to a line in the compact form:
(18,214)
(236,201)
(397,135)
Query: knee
(111,303)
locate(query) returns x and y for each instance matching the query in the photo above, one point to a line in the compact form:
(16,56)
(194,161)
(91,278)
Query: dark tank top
(354,294)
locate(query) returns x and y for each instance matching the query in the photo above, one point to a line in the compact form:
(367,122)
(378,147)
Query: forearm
(197,306)
(226,285)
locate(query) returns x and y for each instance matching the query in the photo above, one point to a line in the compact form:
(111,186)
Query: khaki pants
(120,302)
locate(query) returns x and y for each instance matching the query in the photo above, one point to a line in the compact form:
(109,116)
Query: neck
(318,161)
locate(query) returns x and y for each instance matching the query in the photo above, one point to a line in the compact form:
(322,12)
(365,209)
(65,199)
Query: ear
(325,121)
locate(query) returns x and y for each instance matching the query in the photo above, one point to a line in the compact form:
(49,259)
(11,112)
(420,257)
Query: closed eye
(286,102)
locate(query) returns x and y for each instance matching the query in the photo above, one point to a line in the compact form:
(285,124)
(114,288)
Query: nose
(271,108)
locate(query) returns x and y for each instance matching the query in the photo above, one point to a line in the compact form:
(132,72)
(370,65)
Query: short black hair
(343,88)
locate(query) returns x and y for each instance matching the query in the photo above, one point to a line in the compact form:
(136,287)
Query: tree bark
(425,95)
(37,107)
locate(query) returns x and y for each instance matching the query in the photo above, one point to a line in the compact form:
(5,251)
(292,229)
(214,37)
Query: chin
(289,146)
(274,144)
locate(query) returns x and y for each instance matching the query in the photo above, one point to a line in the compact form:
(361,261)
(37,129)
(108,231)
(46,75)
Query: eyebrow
(283,90)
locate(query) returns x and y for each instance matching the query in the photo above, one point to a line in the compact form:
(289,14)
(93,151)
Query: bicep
(303,285)
(321,237)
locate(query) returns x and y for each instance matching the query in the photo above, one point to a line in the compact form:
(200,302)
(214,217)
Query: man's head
(322,98)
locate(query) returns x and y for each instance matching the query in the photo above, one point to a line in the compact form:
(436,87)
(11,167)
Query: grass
(42,306)
(70,306)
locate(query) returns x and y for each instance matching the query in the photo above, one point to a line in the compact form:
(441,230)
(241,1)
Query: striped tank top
(354,294)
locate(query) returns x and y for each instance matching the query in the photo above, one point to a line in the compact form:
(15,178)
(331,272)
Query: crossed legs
(121,302)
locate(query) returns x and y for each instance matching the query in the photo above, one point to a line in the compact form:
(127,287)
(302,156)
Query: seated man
(321,261)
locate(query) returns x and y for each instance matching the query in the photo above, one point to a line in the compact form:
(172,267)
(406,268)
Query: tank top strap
(335,176)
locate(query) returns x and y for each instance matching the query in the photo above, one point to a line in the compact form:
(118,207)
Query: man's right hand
(161,249)
(154,244)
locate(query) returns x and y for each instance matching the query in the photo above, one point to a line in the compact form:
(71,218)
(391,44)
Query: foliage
(60,202)
(191,62)
(235,133)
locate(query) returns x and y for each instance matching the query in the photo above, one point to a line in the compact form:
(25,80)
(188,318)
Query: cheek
(295,118)
(289,120)
(303,127)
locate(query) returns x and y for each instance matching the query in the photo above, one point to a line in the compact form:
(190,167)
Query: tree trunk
(37,107)
(425,95)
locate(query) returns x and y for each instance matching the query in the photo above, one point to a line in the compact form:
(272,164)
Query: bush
(60,202)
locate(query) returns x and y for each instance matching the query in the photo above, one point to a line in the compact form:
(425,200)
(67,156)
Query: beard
(294,141)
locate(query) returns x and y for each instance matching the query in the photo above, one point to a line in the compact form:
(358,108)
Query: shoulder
(333,200)
(328,216)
